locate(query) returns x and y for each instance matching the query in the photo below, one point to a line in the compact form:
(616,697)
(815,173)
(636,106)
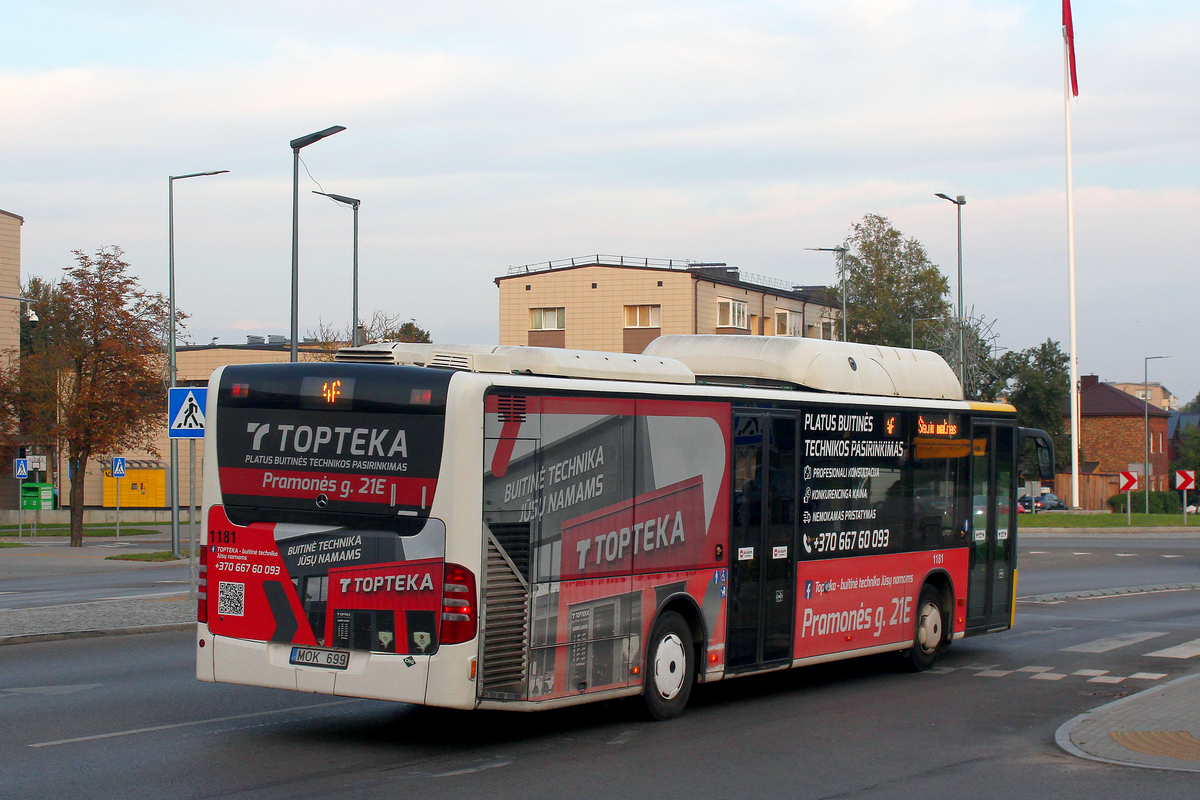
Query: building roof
(14,216)
(1180,422)
(1098,399)
(713,272)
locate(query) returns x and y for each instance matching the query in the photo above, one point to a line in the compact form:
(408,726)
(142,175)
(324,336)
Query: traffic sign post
(1129,482)
(118,472)
(185,420)
(20,472)
(1185,479)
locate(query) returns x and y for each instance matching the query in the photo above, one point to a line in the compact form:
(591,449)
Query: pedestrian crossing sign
(21,468)
(185,412)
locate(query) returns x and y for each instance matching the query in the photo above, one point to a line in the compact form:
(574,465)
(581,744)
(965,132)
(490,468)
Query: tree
(92,382)
(383,327)
(1193,405)
(889,283)
(1040,387)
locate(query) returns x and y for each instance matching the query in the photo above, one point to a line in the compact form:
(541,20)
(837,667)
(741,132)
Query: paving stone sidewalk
(1157,728)
(106,616)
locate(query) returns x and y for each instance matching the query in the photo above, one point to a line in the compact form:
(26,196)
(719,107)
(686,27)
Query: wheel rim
(929,627)
(670,661)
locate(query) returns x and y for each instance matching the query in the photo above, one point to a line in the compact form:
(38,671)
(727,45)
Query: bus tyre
(670,668)
(929,634)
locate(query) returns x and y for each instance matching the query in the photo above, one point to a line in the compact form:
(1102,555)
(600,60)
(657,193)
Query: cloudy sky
(487,134)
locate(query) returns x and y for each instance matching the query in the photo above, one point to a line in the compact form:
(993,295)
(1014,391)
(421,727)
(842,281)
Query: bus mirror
(1045,451)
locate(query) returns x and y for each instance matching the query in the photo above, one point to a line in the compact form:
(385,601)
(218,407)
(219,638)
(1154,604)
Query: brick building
(621,304)
(1112,431)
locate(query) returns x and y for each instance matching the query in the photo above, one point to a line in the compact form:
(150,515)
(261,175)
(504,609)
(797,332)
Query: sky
(483,135)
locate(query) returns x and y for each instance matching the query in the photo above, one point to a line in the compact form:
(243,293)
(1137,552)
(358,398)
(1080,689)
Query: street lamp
(1146,414)
(296,145)
(171,339)
(350,201)
(841,255)
(960,202)
(30,317)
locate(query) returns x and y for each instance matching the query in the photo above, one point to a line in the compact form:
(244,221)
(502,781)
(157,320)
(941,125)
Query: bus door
(992,526)
(762,538)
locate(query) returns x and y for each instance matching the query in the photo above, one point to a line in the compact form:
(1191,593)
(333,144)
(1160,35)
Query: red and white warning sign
(1129,481)
(1185,479)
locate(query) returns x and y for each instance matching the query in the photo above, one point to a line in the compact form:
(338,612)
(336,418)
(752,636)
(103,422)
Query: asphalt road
(154,580)
(123,717)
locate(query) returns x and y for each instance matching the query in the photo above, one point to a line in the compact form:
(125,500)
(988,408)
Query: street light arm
(341,198)
(305,141)
(197,174)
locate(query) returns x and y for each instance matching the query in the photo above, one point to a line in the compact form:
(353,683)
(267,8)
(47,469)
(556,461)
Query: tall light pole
(171,339)
(1146,415)
(841,257)
(960,201)
(354,204)
(296,145)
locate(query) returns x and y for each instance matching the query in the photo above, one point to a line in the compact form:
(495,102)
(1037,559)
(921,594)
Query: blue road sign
(185,412)
(118,468)
(21,468)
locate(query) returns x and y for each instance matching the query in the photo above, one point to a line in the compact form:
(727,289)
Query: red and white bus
(528,528)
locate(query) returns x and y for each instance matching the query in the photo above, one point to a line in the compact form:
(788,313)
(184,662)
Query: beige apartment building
(621,304)
(10,319)
(1159,395)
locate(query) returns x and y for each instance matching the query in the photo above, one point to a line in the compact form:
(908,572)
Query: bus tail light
(458,605)
(202,586)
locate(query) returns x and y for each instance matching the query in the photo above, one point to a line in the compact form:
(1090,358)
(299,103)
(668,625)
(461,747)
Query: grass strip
(1054,519)
(164,555)
(65,530)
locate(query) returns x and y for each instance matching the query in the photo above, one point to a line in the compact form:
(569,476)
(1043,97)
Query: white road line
(1090,673)
(1035,669)
(1081,554)
(1147,676)
(1186,650)
(1113,642)
(1038,552)
(993,673)
(191,723)
(1166,556)
(1106,679)
(1048,676)
(1126,555)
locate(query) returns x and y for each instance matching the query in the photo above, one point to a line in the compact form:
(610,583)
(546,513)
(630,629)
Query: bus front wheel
(928,635)
(670,671)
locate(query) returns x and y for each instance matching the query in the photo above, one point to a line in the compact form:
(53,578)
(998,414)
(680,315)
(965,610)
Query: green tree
(1189,449)
(1193,406)
(91,382)
(1040,387)
(889,282)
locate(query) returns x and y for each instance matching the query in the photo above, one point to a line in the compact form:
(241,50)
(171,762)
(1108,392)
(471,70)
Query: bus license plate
(314,657)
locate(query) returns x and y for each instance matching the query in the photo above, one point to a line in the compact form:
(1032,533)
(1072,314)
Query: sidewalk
(52,557)
(1158,728)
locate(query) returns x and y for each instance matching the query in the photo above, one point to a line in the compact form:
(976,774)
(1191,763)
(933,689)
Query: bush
(1160,502)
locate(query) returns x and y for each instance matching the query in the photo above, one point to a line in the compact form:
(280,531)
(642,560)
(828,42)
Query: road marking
(1048,676)
(1035,669)
(993,673)
(1106,679)
(52,690)
(1113,642)
(1094,594)
(1126,555)
(1038,552)
(1147,676)
(1167,556)
(1081,554)
(191,724)
(1090,673)
(1186,650)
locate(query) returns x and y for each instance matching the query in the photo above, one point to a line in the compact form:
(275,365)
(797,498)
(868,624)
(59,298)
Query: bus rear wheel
(929,634)
(670,669)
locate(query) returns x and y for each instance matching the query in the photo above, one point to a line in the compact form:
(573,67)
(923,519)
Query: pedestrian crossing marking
(190,415)
(1113,642)
(1106,679)
(1147,676)
(1048,676)
(1090,673)
(1186,650)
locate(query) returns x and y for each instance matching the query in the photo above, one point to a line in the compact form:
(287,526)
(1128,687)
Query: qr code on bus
(231,599)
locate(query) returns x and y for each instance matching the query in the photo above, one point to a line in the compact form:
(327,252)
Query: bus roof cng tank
(822,365)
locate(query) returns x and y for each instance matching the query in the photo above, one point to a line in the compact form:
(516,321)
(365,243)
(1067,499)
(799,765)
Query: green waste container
(37,496)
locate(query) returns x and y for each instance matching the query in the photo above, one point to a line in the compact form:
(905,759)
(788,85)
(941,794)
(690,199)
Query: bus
(529,528)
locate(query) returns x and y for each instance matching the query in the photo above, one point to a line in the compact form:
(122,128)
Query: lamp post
(171,339)
(1146,415)
(354,204)
(841,256)
(912,332)
(296,145)
(960,201)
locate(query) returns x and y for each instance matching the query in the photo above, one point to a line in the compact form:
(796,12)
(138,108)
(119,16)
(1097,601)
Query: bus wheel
(670,671)
(927,639)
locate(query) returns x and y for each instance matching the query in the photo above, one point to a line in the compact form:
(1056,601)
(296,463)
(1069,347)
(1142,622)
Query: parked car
(1050,502)
(1026,504)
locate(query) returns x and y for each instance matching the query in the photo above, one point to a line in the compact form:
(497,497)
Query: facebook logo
(808,590)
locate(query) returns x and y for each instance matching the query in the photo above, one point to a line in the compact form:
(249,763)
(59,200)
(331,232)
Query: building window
(731,313)
(789,323)
(547,319)
(643,316)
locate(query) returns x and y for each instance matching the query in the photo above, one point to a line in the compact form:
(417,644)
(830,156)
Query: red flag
(1069,37)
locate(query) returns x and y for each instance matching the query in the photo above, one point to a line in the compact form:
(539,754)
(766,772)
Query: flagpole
(1074,362)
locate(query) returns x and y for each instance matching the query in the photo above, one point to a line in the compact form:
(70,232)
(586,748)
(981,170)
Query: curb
(1062,736)
(27,638)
